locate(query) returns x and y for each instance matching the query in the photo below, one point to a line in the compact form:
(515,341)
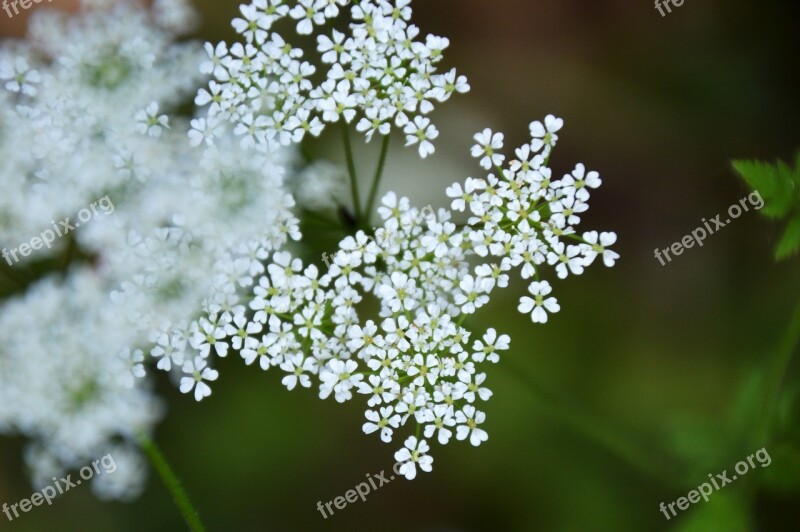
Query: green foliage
(785,479)
(779,186)
(790,242)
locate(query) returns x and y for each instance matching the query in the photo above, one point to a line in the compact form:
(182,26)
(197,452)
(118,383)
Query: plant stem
(776,376)
(351,168)
(172,483)
(378,175)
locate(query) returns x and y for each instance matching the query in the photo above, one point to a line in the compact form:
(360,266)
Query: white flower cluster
(417,363)
(525,218)
(377,75)
(193,265)
(63,386)
(189,232)
(72,93)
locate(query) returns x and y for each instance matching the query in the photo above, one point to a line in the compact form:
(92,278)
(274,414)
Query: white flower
(385,422)
(207,335)
(18,76)
(297,367)
(567,259)
(198,373)
(490,345)
(540,305)
(149,122)
(463,196)
(468,420)
(134,360)
(202,131)
(399,292)
(470,296)
(214,64)
(308,13)
(338,377)
(440,417)
(421,132)
(169,349)
(486,148)
(544,135)
(414,453)
(597,245)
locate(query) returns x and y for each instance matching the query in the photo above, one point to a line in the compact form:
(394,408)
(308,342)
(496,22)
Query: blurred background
(650,378)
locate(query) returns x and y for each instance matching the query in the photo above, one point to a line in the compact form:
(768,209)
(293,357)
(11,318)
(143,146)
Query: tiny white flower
(598,245)
(414,453)
(468,420)
(149,122)
(486,148)
(197,373)
(421,132)
(540,304)
(544,135)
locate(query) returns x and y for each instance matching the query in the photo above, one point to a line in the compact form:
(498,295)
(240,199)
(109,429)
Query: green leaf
(790,242)
(775,184)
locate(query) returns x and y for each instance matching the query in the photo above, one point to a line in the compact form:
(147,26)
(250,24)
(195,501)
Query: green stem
(172,483)
(776,376)
(378,175)
(351,168)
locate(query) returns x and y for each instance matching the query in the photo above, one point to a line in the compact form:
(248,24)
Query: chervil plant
(415,364)
(198,262)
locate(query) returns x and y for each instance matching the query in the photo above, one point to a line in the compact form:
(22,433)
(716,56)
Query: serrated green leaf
(790,242)
(775,184)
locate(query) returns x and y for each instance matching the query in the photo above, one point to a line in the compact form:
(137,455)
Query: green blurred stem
(593,429)
(172,483)
(351,169)
(775,378)
(378,176)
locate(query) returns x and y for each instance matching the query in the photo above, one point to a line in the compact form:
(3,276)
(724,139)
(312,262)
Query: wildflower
(197,373)
(486,149)
(540,304)
(412,455)
(150,122)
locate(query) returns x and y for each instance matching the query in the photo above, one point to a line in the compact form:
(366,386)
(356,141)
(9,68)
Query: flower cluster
(191,228)
(195,266)
(67,390)
(378,75)
(523,217)
(416,363)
